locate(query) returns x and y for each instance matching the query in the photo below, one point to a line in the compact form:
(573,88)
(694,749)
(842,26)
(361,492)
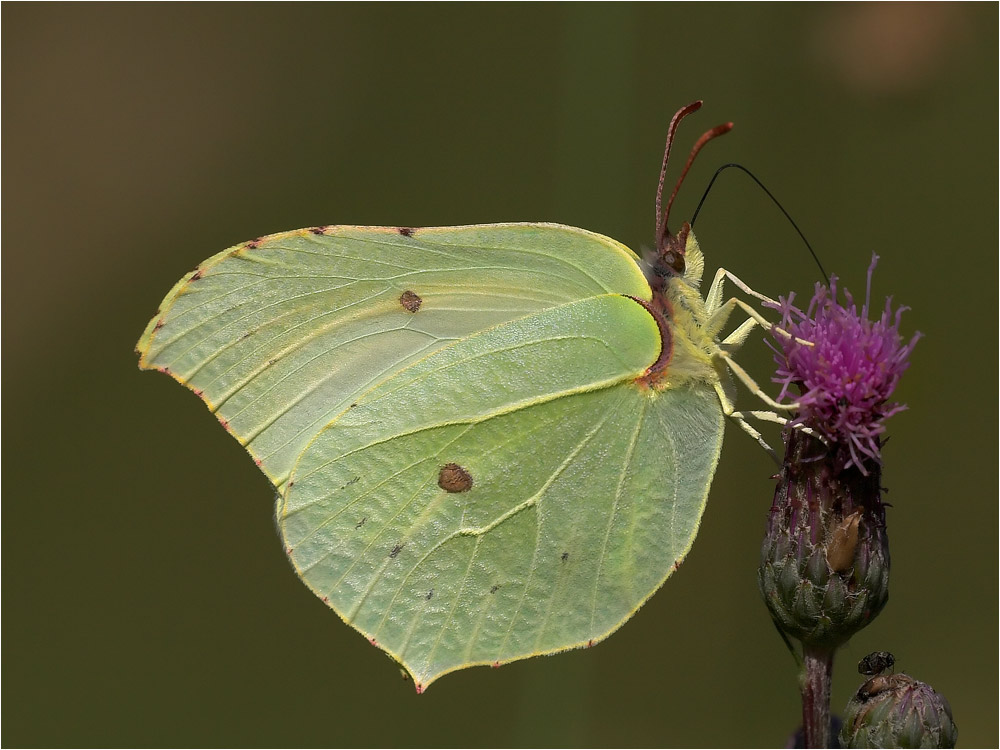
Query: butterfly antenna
(760,184)
(661,220)
(663,215)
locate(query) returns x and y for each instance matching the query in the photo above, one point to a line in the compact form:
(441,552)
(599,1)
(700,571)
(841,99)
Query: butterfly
(488,442)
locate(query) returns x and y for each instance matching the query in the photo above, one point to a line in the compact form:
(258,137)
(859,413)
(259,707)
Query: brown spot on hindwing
(406,231)
(410,301)
(453,478)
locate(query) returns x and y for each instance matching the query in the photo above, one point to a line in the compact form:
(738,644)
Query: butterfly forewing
(280,334)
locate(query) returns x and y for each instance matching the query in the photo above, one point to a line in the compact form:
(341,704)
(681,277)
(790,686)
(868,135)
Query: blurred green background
(147,600)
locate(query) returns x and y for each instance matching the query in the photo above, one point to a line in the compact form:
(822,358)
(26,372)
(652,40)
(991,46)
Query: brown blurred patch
(888,48)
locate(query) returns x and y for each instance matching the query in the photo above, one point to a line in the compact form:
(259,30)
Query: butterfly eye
(674,261)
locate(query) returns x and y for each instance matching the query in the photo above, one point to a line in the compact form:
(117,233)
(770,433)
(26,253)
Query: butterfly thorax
(675,278)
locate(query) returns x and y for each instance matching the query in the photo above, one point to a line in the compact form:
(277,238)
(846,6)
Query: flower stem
(817,674)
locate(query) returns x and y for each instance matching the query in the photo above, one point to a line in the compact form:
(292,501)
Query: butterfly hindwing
(516,492)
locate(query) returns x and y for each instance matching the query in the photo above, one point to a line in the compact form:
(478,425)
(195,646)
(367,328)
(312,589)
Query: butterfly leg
(718,318)
(719,311)
(745,287)
(733,342)
(737,338)
(770,416)
(744,377)
(714,298)
(766,416)
(728,409)
(740,418)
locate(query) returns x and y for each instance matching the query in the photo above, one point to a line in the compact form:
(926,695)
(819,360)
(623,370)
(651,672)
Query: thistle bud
(824,570)
(898,711)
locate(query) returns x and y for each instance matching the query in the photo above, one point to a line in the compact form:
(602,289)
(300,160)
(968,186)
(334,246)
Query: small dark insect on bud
(876,663)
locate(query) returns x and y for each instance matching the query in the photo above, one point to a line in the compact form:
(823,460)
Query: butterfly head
(678,258)
(678,255)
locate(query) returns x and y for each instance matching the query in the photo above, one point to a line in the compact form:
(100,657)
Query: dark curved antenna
(760,184)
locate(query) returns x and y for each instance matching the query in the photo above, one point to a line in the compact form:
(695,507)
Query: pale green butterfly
(489,442)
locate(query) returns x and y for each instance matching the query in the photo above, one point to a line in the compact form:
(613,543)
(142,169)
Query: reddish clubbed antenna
(662,215)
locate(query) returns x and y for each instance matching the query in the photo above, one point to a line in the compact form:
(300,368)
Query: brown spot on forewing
(410,301)
(454,478)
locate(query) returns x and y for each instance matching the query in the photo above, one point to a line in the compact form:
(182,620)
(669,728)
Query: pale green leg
(770,416)
(716,288)
(737,338)
(719,311)
(729,410)
(732,343)
(751,384)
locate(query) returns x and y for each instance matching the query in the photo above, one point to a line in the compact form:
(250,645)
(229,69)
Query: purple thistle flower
(848,375)
(824,569)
